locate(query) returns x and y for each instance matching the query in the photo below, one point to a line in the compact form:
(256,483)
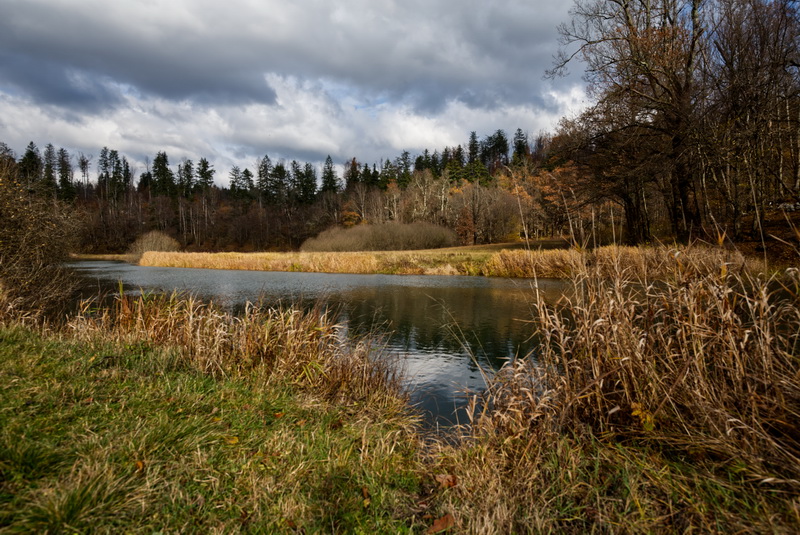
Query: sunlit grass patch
(110,435)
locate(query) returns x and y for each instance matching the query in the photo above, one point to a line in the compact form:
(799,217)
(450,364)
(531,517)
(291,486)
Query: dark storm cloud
(54,83)
(67,56)
(422,53)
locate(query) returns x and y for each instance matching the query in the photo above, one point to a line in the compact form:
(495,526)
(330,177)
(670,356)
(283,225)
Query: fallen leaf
(446,480)
(231,440)
(302,422)
(278,415)
(140,466)
(365,492)
(367,501)
(442,524)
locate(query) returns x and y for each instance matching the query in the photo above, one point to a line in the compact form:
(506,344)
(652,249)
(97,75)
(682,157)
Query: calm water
(448,331)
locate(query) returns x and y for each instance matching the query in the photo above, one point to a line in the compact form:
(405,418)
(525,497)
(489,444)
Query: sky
(234,80)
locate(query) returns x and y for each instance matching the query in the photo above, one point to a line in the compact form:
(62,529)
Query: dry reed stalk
(303,347)
(631,262)
(649,406)
(707,360)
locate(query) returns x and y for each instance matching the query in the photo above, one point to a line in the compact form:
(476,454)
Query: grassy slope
(126,438)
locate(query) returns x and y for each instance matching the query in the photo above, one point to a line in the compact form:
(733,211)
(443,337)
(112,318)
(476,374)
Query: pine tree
(30,166)
(263,177)
(163,177)
(235,180)
(205,175)
(521,148)
(66,187)
(49,183)
(473,148)
(186,178)
(330,182)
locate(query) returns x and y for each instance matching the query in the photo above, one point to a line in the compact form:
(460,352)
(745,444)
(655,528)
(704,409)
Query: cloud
(234,80)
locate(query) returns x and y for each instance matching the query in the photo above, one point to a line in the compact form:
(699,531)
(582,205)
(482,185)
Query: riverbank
(168,415)
(671,408)
(642,262)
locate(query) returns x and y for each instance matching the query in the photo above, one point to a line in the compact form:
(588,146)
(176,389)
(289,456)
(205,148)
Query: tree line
(279,204)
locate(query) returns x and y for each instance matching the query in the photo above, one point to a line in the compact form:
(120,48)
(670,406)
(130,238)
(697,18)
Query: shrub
(382,237)
(154,240)
(36,235)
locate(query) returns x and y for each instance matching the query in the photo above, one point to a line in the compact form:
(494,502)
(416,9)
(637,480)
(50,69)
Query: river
(448,331)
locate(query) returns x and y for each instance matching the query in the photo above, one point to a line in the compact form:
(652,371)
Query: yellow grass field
(493,261)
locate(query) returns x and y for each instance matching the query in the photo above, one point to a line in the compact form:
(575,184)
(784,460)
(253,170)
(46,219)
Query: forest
(694,133)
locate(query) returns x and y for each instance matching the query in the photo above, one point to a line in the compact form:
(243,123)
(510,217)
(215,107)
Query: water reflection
(450,331)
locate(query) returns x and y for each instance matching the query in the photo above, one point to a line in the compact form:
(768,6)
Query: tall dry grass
(305,348)
(649,406)
(647,263)
(386,262)
(615,260)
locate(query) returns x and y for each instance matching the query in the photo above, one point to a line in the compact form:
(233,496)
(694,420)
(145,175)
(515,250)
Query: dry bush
(154,240)
(36,235)
(383,237)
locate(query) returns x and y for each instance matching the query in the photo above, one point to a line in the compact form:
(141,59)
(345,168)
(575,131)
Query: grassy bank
(652,262)
(168,415)
(650,408)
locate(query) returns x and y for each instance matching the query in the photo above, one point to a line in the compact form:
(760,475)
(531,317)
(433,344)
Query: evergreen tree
(235,180)
(247,181)
(186,178)
(263,178)
(49,181)
(163,177)
(473,148)
(103,170)
(330,182)
(307,186)
(145,182)
(521,148)
(66,187)
(388,174)
(279,184)
(403,164)
(205,175)
(352,174)
(30,166)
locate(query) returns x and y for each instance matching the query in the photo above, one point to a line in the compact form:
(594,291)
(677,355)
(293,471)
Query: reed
(657,262)
(649,407)
(650,263)
(389,262)
(284,344)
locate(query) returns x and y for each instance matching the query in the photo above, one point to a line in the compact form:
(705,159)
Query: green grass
(110,438)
